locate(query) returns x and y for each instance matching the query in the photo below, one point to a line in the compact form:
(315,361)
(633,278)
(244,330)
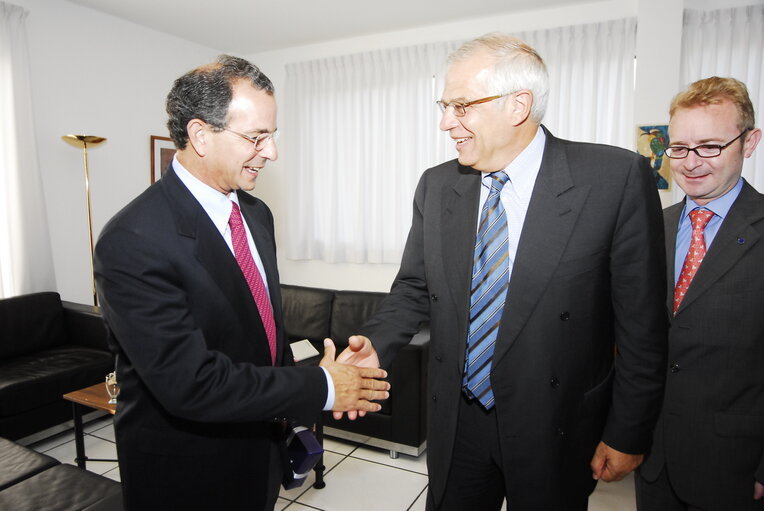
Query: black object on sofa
(401,425)
(34,481)
(48,348)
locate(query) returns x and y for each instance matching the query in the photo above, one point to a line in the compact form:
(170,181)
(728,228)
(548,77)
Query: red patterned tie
(695,254)
(252,274)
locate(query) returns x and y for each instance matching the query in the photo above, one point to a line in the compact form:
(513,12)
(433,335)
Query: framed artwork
(652,141)
(162,151)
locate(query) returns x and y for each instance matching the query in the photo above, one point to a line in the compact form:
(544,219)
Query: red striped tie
(252,274)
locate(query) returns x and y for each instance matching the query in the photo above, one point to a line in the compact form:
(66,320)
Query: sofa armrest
(84,325)
(409,378)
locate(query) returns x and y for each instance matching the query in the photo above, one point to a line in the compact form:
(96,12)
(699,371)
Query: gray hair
(205,93)
(516,67)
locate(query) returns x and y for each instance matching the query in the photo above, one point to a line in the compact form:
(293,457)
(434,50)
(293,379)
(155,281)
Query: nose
(448,120)
(270,151)
(692,161)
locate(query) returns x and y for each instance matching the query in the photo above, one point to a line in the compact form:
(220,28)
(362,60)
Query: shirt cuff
(330,391)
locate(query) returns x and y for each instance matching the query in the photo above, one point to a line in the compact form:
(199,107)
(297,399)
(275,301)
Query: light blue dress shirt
(516,194)
(720,208)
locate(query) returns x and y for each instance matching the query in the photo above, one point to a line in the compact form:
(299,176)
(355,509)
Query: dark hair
(205,93)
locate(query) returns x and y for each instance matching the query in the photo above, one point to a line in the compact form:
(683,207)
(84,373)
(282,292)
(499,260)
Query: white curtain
(26,262)
(591,78)
(728,42)
(362,128)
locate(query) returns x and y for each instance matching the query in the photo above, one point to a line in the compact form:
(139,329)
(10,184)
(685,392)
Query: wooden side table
(94,397)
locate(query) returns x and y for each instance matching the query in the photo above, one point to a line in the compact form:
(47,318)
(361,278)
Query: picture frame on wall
(652,141)
(162,152)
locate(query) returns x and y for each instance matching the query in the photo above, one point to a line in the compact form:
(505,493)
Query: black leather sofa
(401,426)
(30,481)
(48,348)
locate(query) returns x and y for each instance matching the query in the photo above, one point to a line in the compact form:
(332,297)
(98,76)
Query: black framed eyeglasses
(677,152)
(259,141)
(461,108)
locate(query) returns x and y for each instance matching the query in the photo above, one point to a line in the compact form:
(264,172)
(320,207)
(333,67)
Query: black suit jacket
(710,433)
(199,394)
(589,275)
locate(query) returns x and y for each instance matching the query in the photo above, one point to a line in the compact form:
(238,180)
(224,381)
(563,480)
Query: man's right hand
(355,388)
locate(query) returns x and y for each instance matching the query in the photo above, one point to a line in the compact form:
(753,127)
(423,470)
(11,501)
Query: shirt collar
(522,171)
(216,204)
(719,206)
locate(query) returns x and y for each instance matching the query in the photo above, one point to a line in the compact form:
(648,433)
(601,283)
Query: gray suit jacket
(588,275)
(710,433)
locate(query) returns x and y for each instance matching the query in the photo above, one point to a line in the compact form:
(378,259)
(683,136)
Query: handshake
(358,380)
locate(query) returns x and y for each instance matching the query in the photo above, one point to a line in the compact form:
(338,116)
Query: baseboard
(376,442)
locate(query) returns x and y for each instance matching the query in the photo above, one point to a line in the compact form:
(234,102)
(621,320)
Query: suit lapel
(671,217)
(552,213)
(735,238)
(460,217)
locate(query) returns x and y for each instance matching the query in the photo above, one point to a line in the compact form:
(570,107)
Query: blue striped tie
(490,280)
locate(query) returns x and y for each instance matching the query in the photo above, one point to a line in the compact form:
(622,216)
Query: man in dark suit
(189,290)
(536,406)
(708,452)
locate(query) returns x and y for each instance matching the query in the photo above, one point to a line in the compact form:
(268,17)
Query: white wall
(94,74)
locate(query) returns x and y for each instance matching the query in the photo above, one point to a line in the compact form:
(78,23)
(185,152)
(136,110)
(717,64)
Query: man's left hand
(611,465)
(758,490)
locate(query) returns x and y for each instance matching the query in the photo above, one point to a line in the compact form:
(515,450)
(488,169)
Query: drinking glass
(112,387)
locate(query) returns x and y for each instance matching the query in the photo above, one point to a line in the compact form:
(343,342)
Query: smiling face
(489,135)
(224,160)
(705,179)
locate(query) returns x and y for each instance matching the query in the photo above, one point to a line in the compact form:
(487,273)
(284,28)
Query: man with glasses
(708,451)
(189,290)
(533,258)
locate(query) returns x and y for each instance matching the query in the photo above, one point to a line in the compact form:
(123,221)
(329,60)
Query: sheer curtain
(591,73)
(26,262)
(363,127)
(728,42)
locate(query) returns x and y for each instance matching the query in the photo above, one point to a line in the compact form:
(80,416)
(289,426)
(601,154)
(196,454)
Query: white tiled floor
(357,476)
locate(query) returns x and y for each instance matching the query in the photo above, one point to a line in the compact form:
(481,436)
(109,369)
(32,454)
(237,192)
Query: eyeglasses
(678,152)
(259,141)
(461,108)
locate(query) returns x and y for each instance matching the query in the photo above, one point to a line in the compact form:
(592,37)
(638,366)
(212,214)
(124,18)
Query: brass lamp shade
(83,141)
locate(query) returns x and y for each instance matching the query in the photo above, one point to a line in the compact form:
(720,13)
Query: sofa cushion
(31,323)
(62,487)
(32,381)
(18,463)
(307,312)
(350,310)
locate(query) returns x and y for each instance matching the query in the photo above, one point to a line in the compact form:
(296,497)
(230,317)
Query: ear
(198,136)
(751,141)
(520,103)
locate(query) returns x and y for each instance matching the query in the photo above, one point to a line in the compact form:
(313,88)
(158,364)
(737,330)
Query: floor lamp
(83,141)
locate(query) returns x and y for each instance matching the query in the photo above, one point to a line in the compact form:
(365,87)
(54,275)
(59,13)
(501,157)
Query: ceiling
(253,26)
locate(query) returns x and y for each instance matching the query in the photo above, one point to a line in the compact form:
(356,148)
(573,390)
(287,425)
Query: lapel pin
(740,241)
